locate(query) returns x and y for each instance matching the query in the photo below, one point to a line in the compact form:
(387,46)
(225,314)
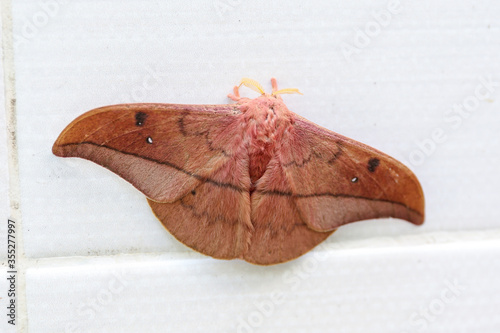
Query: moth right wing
(336,180)
(319,180)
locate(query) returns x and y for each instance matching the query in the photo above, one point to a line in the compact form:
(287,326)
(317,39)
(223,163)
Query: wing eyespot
(149,140)
(354,180)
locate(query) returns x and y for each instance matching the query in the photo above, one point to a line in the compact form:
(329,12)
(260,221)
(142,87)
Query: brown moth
(249,180)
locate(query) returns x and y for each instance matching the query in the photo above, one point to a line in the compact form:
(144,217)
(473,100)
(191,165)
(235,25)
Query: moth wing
(188,160)
(280,232)
(164,150)
(214,217)
(335,180)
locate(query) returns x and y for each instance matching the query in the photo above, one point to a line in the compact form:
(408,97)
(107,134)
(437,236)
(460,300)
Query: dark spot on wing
(140,118)
(193,192)
(373,163)
(180,123)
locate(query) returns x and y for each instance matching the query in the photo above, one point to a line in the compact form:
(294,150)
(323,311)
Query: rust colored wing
(335,180)
(214,217)
(188,160)
(164,150)
(319,180)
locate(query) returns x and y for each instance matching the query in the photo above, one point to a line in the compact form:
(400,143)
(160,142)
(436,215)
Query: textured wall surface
(418,80)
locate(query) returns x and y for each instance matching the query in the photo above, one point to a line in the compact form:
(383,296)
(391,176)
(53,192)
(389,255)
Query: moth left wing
(189,160)
(164,150)
(214,217)
(334,180)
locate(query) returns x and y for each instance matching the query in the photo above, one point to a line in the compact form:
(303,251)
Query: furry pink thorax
(265,120)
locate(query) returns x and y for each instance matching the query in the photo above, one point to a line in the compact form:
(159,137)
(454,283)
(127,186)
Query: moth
(249,180)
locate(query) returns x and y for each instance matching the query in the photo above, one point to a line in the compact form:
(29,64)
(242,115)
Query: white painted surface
(5,281)
(396,93)
(440,288)
(4,167)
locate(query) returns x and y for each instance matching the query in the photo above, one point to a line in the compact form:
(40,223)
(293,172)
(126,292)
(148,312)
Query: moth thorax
(267,134)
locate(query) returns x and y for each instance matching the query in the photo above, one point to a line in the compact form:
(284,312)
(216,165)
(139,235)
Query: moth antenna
(252,84)
(274,84)
(287,91)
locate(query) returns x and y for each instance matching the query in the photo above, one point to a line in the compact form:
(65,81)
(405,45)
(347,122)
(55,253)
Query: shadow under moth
(250,180)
